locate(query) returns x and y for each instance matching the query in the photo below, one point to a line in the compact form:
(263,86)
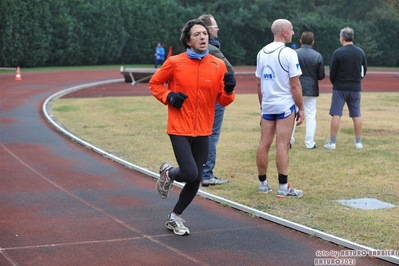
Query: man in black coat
(312,65)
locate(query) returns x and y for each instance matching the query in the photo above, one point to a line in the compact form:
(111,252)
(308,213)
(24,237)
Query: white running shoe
(175,223)
(264,187)
(330,146)
(164,181)
(291,192)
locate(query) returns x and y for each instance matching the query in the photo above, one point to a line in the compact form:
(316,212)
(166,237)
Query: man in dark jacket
(214,49)
(347,68)
(312,65)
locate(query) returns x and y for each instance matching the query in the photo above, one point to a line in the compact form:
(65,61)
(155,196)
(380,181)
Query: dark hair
(307,37)
(186,31)
(347,33)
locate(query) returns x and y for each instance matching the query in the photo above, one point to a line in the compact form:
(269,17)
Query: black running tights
(191,155)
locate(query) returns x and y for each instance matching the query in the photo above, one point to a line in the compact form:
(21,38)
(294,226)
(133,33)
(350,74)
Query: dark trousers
(191,154)
(160,62)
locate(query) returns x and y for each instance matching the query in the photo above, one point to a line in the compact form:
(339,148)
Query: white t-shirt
(275,65)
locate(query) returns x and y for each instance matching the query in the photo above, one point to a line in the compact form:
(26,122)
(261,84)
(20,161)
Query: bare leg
(268,130)
(335,120)
(284,129)
(357,123)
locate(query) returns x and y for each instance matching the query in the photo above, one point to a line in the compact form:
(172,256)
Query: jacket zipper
(197,103)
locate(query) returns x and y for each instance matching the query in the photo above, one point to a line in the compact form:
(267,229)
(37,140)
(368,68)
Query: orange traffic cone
(169,52)
(18,75)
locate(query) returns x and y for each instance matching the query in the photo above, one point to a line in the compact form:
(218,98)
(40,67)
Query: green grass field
(133,128)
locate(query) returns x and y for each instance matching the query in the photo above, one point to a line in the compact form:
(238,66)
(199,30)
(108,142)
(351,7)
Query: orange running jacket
(202,81)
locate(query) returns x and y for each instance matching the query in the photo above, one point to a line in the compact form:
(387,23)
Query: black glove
(176,99)
(229,82)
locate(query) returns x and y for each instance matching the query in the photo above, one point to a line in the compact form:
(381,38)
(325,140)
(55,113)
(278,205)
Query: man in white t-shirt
(280,98)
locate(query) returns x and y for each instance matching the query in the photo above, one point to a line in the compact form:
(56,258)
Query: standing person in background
(214,49)
(347,68)
(159,54)
(312,66)
(280,95)
(195,81)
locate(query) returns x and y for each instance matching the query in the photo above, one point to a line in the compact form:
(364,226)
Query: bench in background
(137,75)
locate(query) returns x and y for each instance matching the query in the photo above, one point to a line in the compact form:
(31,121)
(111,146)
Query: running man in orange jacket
(195,81)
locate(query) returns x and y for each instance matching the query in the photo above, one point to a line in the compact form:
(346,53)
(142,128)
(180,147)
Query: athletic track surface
(63,204)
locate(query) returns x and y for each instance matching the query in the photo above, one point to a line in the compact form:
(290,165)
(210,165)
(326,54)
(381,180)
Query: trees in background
(81,32)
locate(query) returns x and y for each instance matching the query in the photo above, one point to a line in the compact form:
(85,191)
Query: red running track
(62,204)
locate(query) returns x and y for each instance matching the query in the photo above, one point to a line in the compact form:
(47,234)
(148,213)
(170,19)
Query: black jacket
(312,66)
(346,68)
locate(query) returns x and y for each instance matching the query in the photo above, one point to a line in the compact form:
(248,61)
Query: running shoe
(330,146)
(291,192)
(164,181)
(264,187)
(359,145)
(175,223)
(214,181)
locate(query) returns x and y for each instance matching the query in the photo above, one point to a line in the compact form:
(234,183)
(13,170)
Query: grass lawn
(133,128)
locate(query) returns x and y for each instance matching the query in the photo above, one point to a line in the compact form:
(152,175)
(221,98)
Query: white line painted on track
(313,232)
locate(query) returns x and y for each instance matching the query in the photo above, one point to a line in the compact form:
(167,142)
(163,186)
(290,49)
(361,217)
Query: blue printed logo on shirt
(268,73)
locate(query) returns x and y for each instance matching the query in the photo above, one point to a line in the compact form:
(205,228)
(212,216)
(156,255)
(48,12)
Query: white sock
(172,215)
(284,186)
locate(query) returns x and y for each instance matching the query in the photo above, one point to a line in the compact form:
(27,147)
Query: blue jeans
(213,141)
(158,62)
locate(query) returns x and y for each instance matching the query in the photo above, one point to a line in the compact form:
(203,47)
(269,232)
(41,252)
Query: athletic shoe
(264,187)
(291,192)
(359,145)
(314,147)
(175,223)
(164,181)
(213,181)
(330,146)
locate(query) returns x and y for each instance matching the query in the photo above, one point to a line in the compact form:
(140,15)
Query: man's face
(213,29)
(198,39)
(289,32)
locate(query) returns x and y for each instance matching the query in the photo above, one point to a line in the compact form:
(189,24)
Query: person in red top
(190,84)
